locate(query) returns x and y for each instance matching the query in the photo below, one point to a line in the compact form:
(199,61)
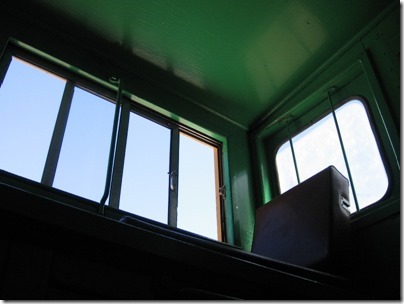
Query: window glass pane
(145,175)
(318,147)
(197,192)
(366,165)
(315,148)
(29,102)
(286,168)
(83,160)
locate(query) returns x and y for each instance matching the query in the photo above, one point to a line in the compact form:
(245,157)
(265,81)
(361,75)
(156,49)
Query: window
(145,176)
(319,146)
(48,134)
(60,133)
(198,202)
(85,146)
(27,117)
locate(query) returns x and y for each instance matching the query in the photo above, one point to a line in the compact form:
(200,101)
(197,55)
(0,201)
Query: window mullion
(4,64)
(120,155)
(293,154)
(220,189)
(112,148)
(173,177)
(343,151)
(58,133)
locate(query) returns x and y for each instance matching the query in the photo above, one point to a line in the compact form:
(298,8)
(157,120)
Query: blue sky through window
(83,160)
(27,117)
(145,177)
(197,189)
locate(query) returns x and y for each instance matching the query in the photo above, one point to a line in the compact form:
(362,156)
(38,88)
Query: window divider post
(55,146)
(119,161)
(343,148)
(112,149)
(4,65)
(293,153)
(173,177)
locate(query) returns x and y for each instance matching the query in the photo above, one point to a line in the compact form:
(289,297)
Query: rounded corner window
(348,142)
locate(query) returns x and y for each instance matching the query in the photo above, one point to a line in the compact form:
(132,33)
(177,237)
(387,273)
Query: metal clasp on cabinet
(345,203)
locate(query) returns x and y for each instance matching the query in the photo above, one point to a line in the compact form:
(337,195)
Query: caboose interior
(244,79)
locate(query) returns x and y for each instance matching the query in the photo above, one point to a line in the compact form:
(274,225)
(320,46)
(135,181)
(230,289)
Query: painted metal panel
(242,53)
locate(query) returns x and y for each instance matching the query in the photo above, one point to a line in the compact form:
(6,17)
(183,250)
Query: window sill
(375,213)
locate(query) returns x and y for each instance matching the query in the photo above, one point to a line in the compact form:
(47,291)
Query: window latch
(172,180)
(345,203)
(222,191)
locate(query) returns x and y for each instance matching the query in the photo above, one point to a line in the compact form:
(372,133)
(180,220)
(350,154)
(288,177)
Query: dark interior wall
(377,233)
(51,251)
(377,258)
(383,43)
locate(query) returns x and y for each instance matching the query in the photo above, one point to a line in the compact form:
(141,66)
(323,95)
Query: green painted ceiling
(243,55)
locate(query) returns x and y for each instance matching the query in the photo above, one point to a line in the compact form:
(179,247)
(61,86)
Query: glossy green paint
(244,55)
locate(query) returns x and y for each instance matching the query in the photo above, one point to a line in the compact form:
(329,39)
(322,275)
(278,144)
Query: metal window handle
(172,180)
(222,191)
